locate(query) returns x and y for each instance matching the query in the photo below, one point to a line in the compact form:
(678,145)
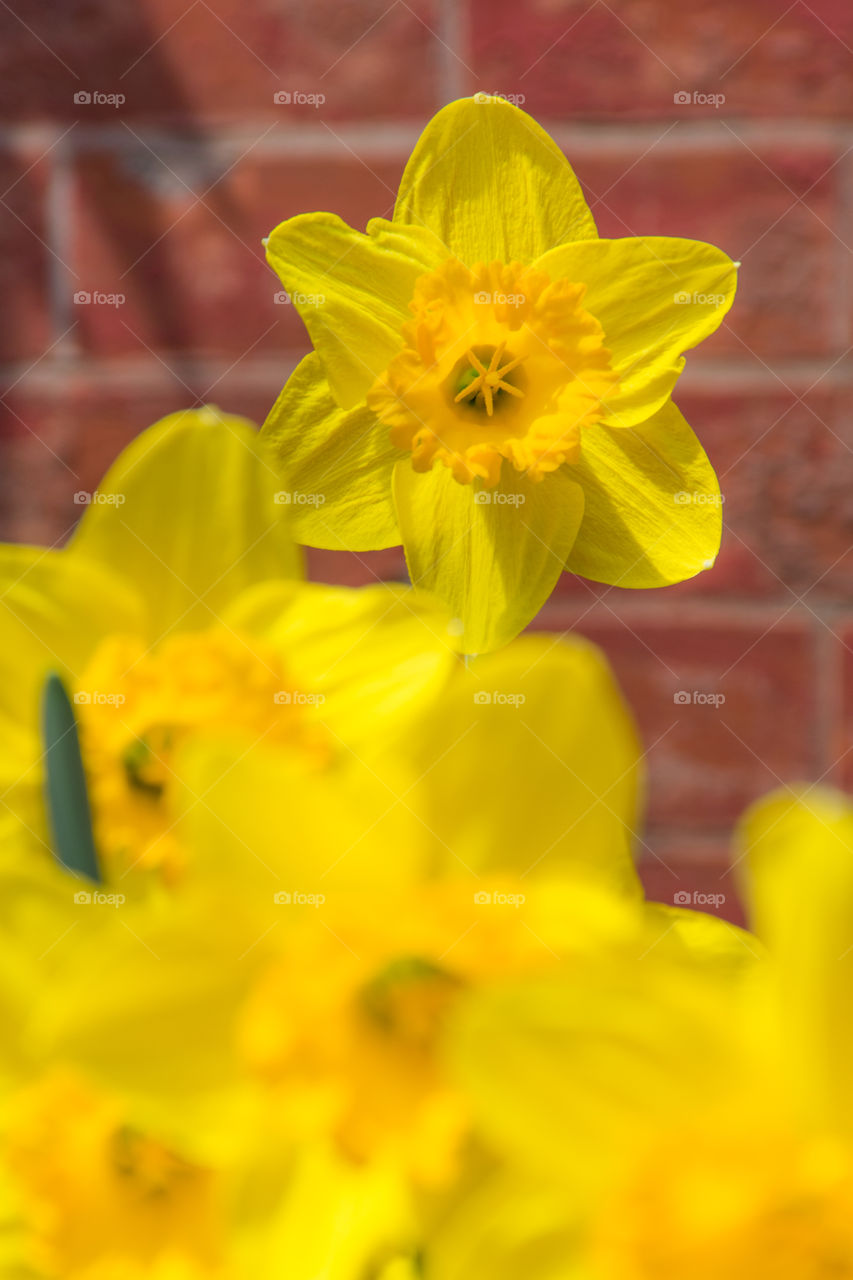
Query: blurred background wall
(143,155)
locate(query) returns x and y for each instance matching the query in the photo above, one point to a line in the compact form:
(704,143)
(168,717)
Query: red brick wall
(164,198)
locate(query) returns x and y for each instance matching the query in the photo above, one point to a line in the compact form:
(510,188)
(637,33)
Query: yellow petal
(652,504)
(491,557)
(335,1221)
(799,883)
(337,465)
(492,185)
(190,516)
(373,655)
(509,1223)
(351,290)
(655,297)
(530,763)
(274,823)
(596,1058)
(54,607)
(705,936)
(158,1020)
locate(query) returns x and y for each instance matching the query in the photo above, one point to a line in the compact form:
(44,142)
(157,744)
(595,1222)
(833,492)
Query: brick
(841,736)
(182,243)
(786,468)
(708,762)
(344,569)
(24,258)
(36,480)
(55,443)
(219,60)
(60,437)
(597,61)
(774,211)
(692,871)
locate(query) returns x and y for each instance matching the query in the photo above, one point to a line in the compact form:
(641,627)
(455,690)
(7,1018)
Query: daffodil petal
(337,465)
(351,290)
(492,557)
(190,513)
(365,837)
(655,297)
(599,1055)
(542,719)
(706,937)
(336,1221)
(374,655)
(799,885)
(652,504)
(171,981)
(502,1220)
(492,185)
(54,608)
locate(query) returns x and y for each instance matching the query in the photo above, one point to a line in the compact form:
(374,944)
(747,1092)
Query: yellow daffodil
(130,1142)
(654,1121)
(527,761)
(271,1044)
(94,1191)
(168,615)
(491,381)
(252,1083)
(293,994)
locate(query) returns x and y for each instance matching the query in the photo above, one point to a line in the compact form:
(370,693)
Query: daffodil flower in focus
(653,1120)
(491,381)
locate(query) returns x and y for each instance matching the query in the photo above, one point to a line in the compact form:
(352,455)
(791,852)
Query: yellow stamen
(441,399)
(491,379)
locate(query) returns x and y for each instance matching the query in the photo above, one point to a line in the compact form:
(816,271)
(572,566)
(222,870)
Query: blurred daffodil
(306,970)
(274,1048)
(491,382)
(170,614)
(660,1120)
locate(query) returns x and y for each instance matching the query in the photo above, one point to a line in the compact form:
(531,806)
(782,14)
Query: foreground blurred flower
(158,619)
(491,384)
(670,1123)
(263,1049)
(252,1087)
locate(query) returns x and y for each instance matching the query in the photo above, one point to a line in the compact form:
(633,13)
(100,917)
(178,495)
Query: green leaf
(69,817)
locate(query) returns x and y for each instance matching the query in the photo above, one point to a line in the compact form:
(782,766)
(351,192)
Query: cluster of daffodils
(323,955)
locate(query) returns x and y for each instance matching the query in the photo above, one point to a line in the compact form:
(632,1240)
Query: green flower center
(482,379)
